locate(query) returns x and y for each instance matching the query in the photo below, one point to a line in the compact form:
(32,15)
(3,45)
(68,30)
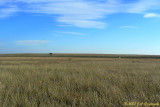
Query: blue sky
(80,26)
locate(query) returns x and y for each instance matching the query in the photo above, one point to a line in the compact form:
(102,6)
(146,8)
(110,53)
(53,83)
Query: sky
(80,26)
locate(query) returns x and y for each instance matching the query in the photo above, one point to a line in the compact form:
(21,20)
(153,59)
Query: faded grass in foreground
(57,82)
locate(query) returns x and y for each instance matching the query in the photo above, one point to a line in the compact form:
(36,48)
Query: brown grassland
(77,82)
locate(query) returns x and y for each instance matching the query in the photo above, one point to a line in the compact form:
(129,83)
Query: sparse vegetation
(83,82)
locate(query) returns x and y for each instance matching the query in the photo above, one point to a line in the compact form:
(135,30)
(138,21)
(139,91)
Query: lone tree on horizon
(50,54)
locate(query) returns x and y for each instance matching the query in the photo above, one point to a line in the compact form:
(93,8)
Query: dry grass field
(78,82)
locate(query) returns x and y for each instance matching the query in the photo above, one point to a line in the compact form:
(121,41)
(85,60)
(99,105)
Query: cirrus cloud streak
(32,42)
(79,13)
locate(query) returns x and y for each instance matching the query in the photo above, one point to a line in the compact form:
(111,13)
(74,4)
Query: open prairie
(82,82)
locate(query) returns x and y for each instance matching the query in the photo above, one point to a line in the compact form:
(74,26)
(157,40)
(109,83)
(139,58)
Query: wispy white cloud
(81,13)
(150,15)
(32,42)
(84,23)
(132,27)
(77,13)
(2,2)
(142,6)
(6,12)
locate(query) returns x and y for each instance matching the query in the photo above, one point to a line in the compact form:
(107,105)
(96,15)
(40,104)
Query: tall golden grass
(82,82)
